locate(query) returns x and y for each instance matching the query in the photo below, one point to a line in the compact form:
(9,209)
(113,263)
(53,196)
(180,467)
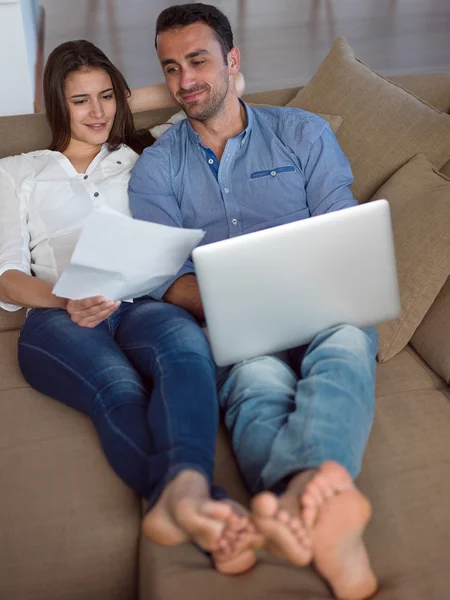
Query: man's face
(195,71)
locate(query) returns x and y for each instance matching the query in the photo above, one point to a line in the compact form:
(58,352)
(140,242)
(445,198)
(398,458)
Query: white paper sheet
(119,257)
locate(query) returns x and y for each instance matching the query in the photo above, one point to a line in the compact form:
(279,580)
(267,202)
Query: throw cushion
(432,337)
(419,198)
(383,124)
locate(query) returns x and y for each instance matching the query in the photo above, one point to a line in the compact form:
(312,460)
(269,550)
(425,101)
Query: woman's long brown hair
(75,56)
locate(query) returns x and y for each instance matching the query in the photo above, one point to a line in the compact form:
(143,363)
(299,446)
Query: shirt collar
(195,138)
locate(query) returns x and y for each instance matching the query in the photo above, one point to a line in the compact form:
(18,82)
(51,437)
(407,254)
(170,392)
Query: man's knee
(257,377)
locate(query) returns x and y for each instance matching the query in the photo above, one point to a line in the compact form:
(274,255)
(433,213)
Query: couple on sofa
(143,370)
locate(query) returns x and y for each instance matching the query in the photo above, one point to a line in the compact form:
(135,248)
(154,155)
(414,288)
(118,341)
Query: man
(299,423)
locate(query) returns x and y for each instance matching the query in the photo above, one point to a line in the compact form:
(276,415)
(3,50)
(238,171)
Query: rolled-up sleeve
(14,235)
(152,199)
(327,171)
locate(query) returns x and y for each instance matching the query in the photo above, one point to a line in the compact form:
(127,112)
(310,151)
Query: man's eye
(171,69)
(198,62)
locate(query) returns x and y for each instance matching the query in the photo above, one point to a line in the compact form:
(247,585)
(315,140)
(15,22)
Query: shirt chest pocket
(272,173)
(276,192)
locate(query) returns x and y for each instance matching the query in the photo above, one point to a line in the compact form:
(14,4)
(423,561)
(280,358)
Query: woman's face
(92,105)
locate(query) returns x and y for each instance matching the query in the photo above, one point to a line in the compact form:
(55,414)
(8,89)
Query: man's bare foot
(186,512)
(236,553)
(338,514)
(279,519)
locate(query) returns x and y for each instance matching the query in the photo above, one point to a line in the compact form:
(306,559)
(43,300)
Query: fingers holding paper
(89,312)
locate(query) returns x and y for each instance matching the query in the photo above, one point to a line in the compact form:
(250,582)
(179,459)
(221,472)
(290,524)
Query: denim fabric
(146,378)
(296,410)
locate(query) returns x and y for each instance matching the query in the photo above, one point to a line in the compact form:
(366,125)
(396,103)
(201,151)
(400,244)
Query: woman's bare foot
(186,512)
(338,514)
(279,519)
(237,546)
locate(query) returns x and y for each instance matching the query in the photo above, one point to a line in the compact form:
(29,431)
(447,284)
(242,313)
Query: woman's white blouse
(44,203)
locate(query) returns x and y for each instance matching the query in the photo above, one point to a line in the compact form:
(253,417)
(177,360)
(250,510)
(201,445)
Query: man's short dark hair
(183,15)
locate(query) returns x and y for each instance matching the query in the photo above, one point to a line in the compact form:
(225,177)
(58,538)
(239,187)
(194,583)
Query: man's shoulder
(289,121)
(170,141)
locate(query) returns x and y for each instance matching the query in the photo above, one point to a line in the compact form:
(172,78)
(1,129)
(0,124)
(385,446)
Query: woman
(156,418)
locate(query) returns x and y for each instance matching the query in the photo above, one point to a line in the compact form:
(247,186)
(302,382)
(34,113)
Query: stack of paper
(119,257)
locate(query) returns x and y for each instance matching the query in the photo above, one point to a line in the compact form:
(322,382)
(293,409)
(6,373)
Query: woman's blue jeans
(146,378)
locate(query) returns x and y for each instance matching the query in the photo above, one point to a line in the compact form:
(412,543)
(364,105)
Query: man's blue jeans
(294,411)
(146,378)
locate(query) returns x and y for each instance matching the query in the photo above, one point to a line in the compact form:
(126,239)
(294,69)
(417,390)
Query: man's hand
(89,312)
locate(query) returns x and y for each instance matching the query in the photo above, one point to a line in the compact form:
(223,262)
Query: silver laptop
(271,290)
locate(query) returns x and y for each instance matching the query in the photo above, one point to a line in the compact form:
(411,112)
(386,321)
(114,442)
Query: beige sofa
(70,529)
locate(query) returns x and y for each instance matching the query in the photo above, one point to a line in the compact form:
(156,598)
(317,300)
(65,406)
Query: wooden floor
(282,42)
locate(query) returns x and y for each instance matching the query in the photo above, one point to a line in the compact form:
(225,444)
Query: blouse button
(96,194)
(119,162)
(85,177)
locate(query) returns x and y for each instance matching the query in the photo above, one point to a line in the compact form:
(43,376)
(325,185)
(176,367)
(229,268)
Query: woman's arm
(158,95)
(21,289)
(24,290)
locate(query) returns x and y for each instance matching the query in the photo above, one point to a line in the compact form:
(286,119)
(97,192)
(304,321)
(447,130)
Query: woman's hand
(89,312)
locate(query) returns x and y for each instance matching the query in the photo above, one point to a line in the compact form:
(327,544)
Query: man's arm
(152,199)
(185,292)
(327,170)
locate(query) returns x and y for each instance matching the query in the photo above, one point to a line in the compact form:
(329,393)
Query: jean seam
(97,394)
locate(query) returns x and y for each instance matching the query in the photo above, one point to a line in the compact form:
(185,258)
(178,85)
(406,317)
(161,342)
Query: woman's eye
(108,97)
(79,101)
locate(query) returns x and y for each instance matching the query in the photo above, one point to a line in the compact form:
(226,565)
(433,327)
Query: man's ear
(234,60)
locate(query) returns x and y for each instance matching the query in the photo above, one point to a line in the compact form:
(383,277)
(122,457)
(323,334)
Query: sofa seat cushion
(405,474)
(11,320)
(69,527)
(383,125)
(406,372)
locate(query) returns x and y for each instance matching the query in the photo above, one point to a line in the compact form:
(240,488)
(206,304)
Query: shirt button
(273,173)
(96,194)
(85,177)
(119,162)
(210,161)
(226,190)
(234,221)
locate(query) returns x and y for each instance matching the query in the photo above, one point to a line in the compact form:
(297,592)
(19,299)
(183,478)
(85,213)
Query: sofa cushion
(432,337)
(446,169)
(433,88)
(383,124)
(419,198)
(68,527)
(11,320)
(406,372)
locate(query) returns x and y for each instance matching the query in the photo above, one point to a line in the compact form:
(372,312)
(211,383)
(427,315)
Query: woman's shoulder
(22,164)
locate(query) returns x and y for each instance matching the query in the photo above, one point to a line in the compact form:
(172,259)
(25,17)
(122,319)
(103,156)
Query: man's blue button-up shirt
(285,166)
